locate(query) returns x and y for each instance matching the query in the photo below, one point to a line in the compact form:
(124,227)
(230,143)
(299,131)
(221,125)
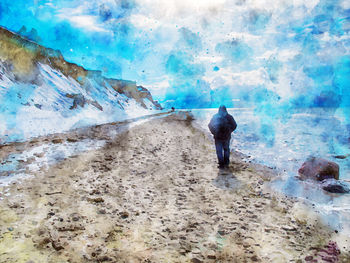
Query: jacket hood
(223,110)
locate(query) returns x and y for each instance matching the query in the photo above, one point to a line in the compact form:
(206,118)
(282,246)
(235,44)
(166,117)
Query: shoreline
(154,194)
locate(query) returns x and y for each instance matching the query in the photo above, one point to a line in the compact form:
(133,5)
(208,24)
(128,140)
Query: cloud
(77,18)
(144,22)
(226,77)
(87,22)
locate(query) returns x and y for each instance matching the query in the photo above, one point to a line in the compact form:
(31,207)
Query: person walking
(221,126)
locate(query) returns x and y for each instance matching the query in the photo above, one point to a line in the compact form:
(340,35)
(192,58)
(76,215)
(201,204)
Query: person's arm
(233,123)
(211,126)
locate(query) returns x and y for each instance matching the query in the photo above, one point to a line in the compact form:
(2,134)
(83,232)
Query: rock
(78,100)
(196,251)
(319,169)
(124,215)
(39,155)
(96,200)
(50,214)
(254,258)
(334,186)
(101,211)
(96,105)
(57,245)
(211,255)
(95,191)
(38,106)
(329,253)
(75,217)
(286,228)
(342,156)
(196,260)
(70,228)
(221,232)
(41,242)
(14,205)
(55,141)
(103,259)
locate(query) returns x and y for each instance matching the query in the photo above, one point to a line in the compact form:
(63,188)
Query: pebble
(124,215)
(211,255)
(55,141)
(96,200)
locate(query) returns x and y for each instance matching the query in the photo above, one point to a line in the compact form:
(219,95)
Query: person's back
(221,126)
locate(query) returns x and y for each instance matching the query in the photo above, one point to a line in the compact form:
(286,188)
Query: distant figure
(172,109)
(221,126)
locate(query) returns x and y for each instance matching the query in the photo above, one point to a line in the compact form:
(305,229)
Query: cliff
(41,92)
(24,55)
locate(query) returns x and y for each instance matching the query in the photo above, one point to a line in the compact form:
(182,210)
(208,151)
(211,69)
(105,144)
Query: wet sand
(154,194)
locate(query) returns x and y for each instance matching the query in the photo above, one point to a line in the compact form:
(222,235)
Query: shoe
(221,166)
(227,164)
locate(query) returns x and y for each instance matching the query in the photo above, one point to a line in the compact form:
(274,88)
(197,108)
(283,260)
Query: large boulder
(319,169)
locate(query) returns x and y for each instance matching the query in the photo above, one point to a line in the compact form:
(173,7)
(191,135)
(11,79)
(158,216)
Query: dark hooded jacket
(222,125)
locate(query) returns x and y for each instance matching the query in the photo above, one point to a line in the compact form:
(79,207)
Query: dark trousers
(223,151)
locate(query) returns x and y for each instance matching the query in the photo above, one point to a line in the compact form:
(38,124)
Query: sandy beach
(154,193)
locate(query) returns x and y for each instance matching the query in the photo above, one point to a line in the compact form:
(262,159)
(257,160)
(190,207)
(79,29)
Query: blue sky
(194,51)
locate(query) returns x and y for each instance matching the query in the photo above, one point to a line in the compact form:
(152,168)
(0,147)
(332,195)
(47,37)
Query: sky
(203,53)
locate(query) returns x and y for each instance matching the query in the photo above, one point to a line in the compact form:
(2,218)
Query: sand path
(154,194)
